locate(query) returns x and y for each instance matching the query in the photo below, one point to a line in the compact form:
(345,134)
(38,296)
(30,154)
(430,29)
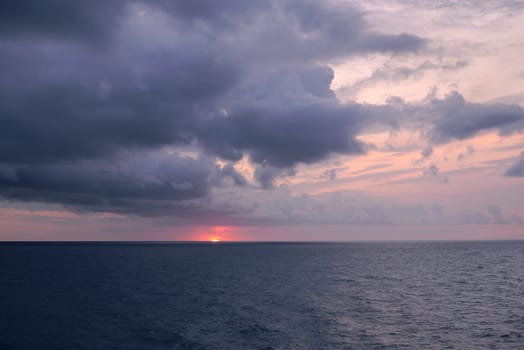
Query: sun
(214,240)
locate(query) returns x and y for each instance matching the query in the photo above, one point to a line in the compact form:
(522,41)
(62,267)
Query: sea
(384,295)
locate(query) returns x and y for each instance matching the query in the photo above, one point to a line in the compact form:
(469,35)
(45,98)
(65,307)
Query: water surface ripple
(425,295)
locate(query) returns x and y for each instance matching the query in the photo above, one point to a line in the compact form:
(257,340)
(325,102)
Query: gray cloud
(395,74)
(65,106)
(284,135)
(517,219)
(425,154)
(470,150)
(517,169)
(58,97)
(280,206)
(454,118)
(66,19)
(434,171)
(120,185)
(472,218)
(84,86)
(331,174)
(497,216)
(98,21)
(265,175)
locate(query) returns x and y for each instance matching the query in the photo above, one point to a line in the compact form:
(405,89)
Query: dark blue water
(262,296)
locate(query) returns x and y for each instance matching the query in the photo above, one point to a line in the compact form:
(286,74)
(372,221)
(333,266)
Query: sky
(261,120)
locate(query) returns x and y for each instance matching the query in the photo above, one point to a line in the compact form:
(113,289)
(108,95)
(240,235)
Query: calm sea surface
(262,296)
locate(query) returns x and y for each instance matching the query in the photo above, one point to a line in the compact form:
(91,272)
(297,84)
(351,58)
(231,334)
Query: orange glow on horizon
(216,234)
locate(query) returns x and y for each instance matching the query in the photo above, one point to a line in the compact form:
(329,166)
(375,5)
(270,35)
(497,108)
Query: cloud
(280,206)
(396,74)
(64,19)
(472,218)
(517,219)
(425,154)
(331,174)
(454,118)
(63,106)
(434,171)
(283,135)
(84,86)
(91,94)
(228,171)
(125,184)
(496,215)
(99,21)
(517,169)
(265,175)
(470,150)
(165,78)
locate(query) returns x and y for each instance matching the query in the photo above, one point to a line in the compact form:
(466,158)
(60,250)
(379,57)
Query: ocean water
(445,295)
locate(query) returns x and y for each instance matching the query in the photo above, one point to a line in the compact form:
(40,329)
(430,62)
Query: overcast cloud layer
(150,108)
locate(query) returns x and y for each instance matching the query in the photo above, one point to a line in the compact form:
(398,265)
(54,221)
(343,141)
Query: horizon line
(256,241)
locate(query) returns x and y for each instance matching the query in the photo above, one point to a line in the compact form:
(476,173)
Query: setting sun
(215,234)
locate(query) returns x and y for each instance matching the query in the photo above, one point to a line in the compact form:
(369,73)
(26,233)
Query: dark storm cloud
(517,169)
(97,21)
(281,117)
(58,109)
(119,185)
(67,19)
(85,82)
(64,101)
(284,136)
